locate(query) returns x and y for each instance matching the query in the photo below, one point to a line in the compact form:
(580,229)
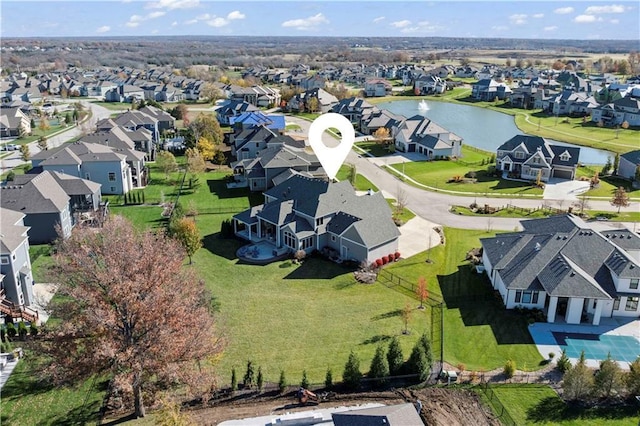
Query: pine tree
(352,375)
(234,380)
(282,382)
(395,359)
(632,378)
(249,376)
(608,378)
(578,381)
(563,363)
(328,379)
(304,382)
(426,345)
(417,363)
(379,368)
(260,379)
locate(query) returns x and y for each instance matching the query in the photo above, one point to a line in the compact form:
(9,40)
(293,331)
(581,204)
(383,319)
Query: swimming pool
(621,348)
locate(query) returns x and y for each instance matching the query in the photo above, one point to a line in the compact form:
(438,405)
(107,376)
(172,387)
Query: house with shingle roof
(420,134)
(388,415)
(530,157)
(13,121)
(45,205)
(326,100)
(569,270)
(233,108)
(309,214)
(629,165)
(16,278)
(617,112)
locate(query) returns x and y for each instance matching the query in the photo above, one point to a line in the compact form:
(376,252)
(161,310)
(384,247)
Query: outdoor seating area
(261,253)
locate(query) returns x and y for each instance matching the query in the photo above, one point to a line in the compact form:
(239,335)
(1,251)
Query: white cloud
(518,19)
(174,24)
(103,29)
(538,15)
(304,24)
(597,10)
(136,20)
(236,14)
(586,19)
(421,27)
(563,10)
(401,24)
(379,19)
(173,4)
(217,22)
(551,28)
(500,28)
(204,17)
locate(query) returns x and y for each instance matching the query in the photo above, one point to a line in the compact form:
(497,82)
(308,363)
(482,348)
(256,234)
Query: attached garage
(562,174)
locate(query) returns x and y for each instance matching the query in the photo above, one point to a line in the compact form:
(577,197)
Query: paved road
(98,113)
(434,206)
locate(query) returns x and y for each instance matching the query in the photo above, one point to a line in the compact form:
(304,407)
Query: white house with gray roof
(16,279)
(420,134)
(312,214)
(567,269)
(629,165)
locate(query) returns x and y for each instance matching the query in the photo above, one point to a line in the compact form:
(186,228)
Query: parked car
(448,376)
(10,147)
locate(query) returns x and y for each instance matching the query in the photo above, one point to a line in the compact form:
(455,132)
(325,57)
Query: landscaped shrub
(563,363)
(300,255)
(249,376)
(33,329)
(396,255)
(391,257)
(379,368)
(328,379)
(226,228)
(509,368)
(234,380)
(304,382)
(426,345)
(352,376)
(11,331)
(379,263)
(395,359)
(260,379)
(282,382)
(22,330)
(385,260)
(418,363)
(3,335)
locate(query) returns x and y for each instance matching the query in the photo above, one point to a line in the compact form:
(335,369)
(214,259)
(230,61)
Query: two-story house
(533,157)
(376,87)
(420,134)
(562,266)
(312,214)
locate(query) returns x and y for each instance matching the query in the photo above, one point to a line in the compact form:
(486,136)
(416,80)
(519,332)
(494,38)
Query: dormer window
(565,156)
(519,155)
(319,221)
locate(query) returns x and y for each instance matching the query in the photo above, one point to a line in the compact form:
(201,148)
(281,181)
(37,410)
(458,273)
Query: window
(633,285)
(319,221)
(306,243)
(112,177)
(87,176)
(4,260)
(565,156)
(528,297)
(289,240)
(616,304)
(632,304)
(113,189)
(518,296)
(519,155)
(333,238)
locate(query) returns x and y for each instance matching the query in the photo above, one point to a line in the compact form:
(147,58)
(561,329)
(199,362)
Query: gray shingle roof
(14,233)
(42,194)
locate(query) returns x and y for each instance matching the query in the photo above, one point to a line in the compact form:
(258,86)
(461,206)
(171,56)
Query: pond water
(479,127)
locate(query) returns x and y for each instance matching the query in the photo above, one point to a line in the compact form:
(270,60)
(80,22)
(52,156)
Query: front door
(345,252)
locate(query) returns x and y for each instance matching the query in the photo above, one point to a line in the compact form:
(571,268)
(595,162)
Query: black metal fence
(497,405)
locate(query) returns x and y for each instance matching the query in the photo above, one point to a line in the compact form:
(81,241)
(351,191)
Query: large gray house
(312,214)
(561,265)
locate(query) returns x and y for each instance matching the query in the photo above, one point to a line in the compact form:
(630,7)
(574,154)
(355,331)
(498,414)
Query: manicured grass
(437,174)
(479,332)
(406,214)
(114,106)
(40,260)
(361,184)
(539,213)
(541,405)
(373,148)
(608,184)
(27,401)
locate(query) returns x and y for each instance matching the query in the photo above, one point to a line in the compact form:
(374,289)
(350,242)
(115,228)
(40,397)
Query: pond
(479,127)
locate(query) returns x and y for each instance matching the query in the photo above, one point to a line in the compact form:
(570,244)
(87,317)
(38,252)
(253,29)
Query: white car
(10,147)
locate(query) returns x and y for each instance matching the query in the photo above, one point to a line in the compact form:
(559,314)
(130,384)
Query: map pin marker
(331,158)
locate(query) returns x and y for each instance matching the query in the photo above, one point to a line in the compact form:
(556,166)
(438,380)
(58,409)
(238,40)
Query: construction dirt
(440,406)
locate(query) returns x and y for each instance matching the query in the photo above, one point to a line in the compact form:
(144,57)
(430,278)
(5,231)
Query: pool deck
(542,334)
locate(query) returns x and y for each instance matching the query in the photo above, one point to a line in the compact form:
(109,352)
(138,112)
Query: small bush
(563,363)
(304,382)
(391,257)
(379,263)
(11,331)
(282,382)
(461,367)
(22,330)
(509,368)
(396,255)
(328,379)
(33,329)
(260,380)
(552,355)
(234,380)
(385,260)
(300,255)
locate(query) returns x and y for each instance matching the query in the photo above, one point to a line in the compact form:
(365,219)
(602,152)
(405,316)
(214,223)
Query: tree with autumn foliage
(130,310)
(206,148)
(421,291)
(206,126)
(195,162)
(186,232)
(620,198)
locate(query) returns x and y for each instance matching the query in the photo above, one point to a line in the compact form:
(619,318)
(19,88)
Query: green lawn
(623,216)
(437,174)
(361,184)
(26,401)
(373,148)
(608,184)
(541,405)
(479,332)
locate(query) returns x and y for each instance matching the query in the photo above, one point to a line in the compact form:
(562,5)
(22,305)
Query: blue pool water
(622,348)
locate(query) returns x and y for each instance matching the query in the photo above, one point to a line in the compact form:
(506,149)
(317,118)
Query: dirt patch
(440,406)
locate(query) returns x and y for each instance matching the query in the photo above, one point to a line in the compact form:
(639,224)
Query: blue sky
(512,19)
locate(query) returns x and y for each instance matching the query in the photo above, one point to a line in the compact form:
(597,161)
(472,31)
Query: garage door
(562,174)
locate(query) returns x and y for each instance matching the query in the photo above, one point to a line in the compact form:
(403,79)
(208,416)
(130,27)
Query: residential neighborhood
(440,272)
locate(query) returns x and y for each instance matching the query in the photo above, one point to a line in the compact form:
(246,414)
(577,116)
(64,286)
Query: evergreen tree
(563,363)
(249,376)
(260,379)
(608,378)
(352,375)
(632,378)
(578,381)
(328,379)
(417,363)
(426,345)
(395,358)
(304,382)
(282,382)
(379,368)
(234,380)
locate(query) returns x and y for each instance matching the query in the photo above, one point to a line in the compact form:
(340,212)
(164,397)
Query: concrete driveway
(569,190)
(416,236)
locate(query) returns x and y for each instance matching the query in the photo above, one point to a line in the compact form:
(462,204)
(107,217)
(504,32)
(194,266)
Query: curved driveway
(434,206)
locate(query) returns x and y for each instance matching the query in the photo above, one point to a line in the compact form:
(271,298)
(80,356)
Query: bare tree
(620,198)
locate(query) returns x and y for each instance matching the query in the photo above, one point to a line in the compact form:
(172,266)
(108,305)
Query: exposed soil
(440,406)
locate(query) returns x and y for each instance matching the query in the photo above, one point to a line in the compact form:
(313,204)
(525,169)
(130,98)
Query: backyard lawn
(541,405)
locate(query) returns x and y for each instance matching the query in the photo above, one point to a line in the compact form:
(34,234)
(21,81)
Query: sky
(569,19)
